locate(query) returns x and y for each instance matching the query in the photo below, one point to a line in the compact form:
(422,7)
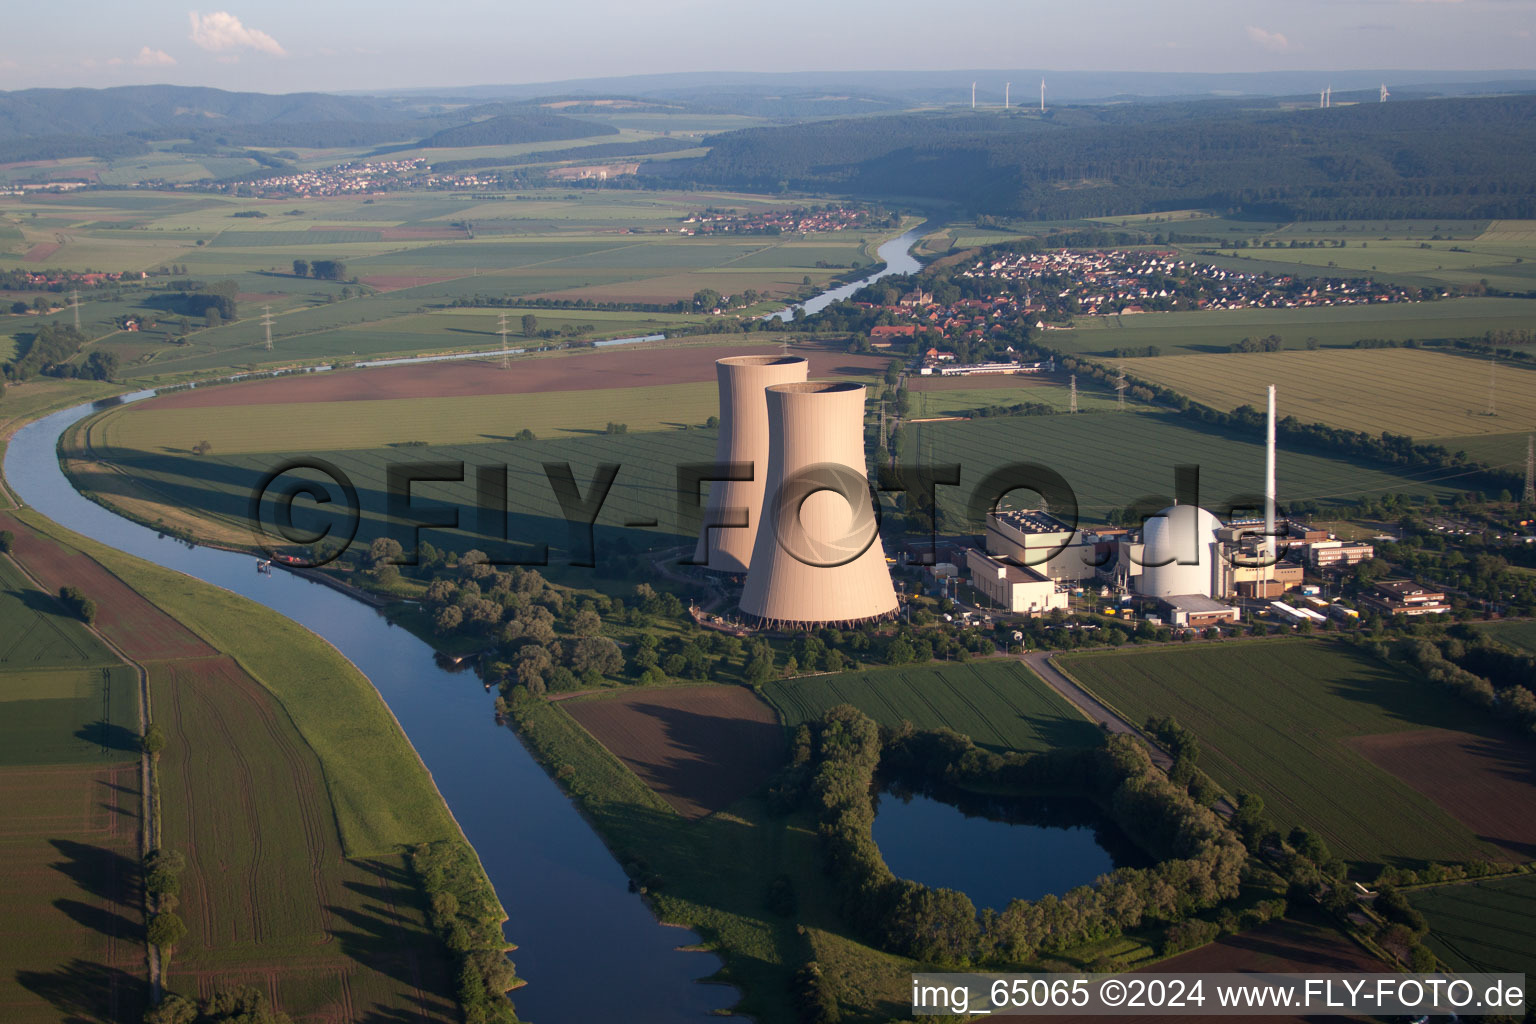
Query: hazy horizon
(283,46)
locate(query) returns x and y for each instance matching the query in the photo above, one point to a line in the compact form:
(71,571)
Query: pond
(996,850)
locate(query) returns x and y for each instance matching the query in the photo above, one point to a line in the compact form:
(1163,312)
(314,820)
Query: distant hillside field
(1416,392)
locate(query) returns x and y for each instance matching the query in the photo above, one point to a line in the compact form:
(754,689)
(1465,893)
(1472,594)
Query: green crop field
(1483,926)
(1518,634)
(1111,459)
(1416,392)
(999,704)
(36,632)
(469,419)
(1209,331)
(79,716)
(1276,717)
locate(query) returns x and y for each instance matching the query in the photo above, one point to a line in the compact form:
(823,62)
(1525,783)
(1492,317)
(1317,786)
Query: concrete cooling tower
(1180,533)
(817,559)
(743,438)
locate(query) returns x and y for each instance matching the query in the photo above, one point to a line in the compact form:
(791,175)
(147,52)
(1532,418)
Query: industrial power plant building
(817,558)
(743,382)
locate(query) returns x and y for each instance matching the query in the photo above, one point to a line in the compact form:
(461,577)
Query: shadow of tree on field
(97,871)
(87,993)
(109,736)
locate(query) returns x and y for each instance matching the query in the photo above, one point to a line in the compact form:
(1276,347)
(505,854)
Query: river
(590,949)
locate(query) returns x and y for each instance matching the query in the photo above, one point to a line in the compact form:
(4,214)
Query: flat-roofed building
(1042,542)
(1014,588)
(1331,554)
(1404,597)
(1195,610)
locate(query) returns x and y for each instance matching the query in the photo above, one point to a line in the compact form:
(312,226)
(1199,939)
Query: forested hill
(1432,158)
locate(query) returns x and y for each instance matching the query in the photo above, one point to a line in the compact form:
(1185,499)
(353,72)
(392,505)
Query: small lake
(996,851)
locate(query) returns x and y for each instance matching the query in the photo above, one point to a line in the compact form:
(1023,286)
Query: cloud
(223,31)
(1271,41)
(148,58)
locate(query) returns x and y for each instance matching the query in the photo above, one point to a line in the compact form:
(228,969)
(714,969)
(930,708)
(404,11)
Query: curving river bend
(590,950)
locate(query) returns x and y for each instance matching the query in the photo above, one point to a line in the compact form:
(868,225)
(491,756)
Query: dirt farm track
(628,366)
(701,748)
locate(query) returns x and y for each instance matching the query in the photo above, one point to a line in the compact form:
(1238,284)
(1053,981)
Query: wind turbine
(1009,85)
(1042,95)
(1384,93)
(973,95)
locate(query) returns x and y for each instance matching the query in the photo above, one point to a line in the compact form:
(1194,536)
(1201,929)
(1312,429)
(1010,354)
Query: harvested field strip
(37,632)
(143,631)
(71,921)
(700,748)
(245,811)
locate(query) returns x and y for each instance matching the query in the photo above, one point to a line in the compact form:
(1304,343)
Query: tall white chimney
(1270,545)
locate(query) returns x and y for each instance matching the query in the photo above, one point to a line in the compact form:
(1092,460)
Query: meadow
(1281,719)
(1001,705)
(1482,926)
(1517,634)
(1417,392)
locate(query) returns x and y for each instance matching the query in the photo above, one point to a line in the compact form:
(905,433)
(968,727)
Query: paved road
(1040,661)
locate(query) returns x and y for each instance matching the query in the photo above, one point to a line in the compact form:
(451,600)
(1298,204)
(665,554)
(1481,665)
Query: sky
(342,45)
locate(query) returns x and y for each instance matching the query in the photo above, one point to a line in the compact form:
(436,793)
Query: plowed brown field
(1486,783)
(629,366)
(701,748)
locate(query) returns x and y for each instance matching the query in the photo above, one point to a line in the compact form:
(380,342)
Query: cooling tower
(743,438)
(817,559)
(1180,533)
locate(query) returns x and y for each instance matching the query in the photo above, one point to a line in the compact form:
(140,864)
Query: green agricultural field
(935,397)
(999,704)
(1277,718)
(1211,331)
(1111,459)
(463,420)
(1482,926)
(37,633)
(1416,392)
(69,716)
(1517,634)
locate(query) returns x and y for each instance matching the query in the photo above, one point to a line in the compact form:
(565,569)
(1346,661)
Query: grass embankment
(1282,719)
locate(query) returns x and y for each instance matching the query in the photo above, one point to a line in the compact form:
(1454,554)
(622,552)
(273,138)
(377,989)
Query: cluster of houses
(838,218)
(22,279)
(357,178)
(1123,281)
